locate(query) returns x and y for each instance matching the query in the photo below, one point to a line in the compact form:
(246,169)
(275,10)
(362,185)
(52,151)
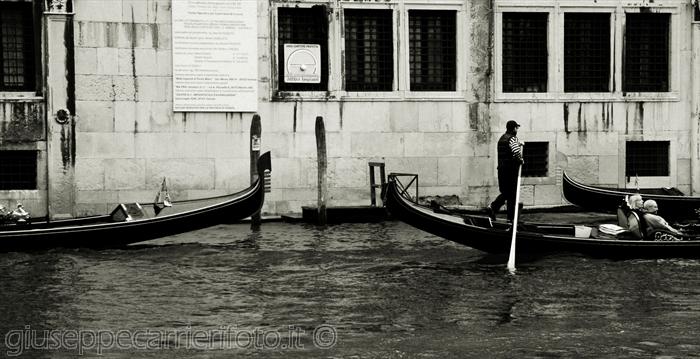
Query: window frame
(648,181)
(36,7)
(462,53)
(555,84)
(336,48)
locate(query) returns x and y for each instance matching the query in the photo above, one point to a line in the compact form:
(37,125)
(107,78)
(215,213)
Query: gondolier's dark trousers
(507,183)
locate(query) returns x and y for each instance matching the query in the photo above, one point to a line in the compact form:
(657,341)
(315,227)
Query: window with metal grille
(17,170)
(524,53)
(647,158)
(432,37)
(16,46)
(586,52)
(536,157)
(369,50)
(646,52)
(303,26)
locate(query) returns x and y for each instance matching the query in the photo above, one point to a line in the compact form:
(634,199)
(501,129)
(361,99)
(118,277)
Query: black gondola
(672,203)
(119,228)
(495,236)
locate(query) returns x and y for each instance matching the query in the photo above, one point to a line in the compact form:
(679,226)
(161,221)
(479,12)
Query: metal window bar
(369,50)
(303,26)
(647,158)
(586,52)
(536,157)
(18,170)
(432,50)
(16,46)
(524,52)
(646,62)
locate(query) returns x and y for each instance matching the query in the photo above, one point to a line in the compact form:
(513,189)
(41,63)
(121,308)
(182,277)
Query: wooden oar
(511,257)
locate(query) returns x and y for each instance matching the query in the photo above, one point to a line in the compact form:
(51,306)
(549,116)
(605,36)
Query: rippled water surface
(356,290)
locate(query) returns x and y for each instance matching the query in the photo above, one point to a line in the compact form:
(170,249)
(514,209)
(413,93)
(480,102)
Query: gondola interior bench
(125,212)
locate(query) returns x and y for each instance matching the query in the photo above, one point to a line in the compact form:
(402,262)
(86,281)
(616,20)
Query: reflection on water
(384,290)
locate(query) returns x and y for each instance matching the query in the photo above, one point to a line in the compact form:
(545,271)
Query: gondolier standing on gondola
(510,157)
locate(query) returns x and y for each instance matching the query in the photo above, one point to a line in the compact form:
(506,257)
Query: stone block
(135,11)
(445,144)
(85,60)
(366,116)
(143,117)
(279,144)
(303,144)
(161,116)
(154,88)
(89,174)
(339,144)
(125,173)
(105,145)
(159,12)
(124,88)
(414,144)
(403,116)
(146,62)
(371,144)
(449,171)
(94,116)
(182,173)
(164,63)
(96,197)
(232,174)
(224,145)
(93,209)
(107,61)
(349,173)
(98,11)
(683,172)
(124,116)
(548,195)
(527,195)
(126,62)
(425,167)
(582,169)
(479,171)
(287,172)
(93,88)
(608,170)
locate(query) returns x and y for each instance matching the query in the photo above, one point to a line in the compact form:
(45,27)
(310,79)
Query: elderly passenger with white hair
(654,221)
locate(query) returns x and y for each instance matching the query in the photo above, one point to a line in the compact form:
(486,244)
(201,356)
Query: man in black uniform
(510,158)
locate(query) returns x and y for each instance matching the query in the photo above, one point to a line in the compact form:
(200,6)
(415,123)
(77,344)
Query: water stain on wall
(24,124)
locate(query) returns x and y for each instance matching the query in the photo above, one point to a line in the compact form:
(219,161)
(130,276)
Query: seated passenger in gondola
(633,203)
(656,227)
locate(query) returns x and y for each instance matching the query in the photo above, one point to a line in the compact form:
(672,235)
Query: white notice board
(302,63)
(215,55)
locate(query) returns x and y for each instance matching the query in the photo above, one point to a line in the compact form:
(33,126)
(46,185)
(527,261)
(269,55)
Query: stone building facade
(607,90)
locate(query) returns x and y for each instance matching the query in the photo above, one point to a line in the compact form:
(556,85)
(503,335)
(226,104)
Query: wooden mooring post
(322,166)
(255,142)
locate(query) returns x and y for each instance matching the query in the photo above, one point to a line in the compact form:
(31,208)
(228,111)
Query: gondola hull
(104,232)
(496,239)
(601,199)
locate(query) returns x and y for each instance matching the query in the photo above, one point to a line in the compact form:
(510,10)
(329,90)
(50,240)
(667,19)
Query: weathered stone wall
(128,137)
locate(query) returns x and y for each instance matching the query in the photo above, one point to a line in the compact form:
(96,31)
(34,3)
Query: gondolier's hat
(512,125)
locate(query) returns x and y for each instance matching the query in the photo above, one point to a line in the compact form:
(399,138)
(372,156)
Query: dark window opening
(17,170)
(369,50)
(536,158)
(697,11)
(647,158)
(646,59)
(524,52)
(16,47)
(303,26)
(432,40)
(586,52)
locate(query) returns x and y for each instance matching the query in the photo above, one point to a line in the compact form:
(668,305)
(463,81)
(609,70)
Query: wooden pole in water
(255,131)
(322,165)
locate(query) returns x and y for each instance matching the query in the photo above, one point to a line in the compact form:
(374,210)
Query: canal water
(382,290)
